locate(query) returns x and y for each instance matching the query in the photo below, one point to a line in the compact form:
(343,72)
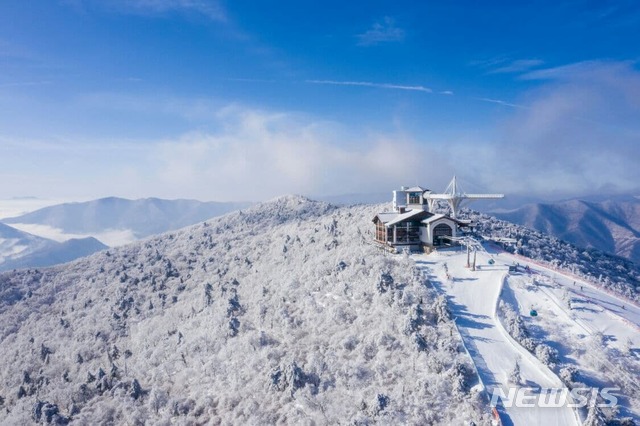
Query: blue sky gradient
(231,100)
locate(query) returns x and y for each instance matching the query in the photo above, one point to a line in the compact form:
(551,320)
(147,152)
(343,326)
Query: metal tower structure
(456,197)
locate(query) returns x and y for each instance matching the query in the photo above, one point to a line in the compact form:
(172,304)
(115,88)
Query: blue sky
(243,99)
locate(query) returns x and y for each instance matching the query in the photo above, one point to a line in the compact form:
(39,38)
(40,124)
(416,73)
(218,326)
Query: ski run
(581,323)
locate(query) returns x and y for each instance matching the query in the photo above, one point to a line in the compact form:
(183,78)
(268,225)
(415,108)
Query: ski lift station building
(411,225)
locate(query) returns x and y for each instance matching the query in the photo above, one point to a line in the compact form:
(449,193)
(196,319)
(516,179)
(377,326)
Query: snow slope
(280,314)
(608,271)
(593,331)
(283,313)
(590,335)
(472,298)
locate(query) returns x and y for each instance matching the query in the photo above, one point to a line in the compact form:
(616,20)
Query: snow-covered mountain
(611,225)
(614,273)
(129,219)
(282,313)
(19,249)
(14,242)
(55,253)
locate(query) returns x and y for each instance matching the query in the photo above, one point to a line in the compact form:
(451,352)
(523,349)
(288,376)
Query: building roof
(409,215)
(436,217)
(386,216)
(393,218)
(415,189)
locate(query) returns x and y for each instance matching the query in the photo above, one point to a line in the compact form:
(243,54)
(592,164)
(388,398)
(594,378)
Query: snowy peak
(289,207)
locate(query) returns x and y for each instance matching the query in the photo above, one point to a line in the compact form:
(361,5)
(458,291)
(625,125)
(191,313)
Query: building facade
(411,225)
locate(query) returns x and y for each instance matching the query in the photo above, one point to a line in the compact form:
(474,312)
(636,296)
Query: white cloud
(19,206)
(579,133)
(384,31)
(501,102)
(517,66)
(504,64)
(249,155)
(596,70)
(378,85)
(260,155)
(209,8)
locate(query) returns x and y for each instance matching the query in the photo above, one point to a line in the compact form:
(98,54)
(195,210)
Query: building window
(381,232)
(407,233)
(415,198)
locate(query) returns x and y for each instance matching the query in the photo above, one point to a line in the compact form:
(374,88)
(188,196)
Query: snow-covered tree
(216,323)
(515,376)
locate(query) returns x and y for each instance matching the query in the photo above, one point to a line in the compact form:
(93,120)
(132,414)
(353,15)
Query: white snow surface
(593,330)
(472,299)
(279,314)
(595,315)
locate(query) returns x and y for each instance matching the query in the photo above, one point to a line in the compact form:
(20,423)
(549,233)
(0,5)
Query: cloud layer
(260,155)
(576,132)
(579,133)
(378,85)
(383,31)
(209,8)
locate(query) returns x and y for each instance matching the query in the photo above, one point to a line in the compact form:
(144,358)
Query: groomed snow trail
(472,298)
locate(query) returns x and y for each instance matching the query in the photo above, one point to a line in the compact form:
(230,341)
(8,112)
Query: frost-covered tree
(217,324)
(614,273)
(568,374)
(515,375)
(442,310)
(595,417)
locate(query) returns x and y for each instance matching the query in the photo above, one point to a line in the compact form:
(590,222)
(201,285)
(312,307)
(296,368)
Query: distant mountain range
(611,225)
(84,228)
(20,249)
(144,217)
